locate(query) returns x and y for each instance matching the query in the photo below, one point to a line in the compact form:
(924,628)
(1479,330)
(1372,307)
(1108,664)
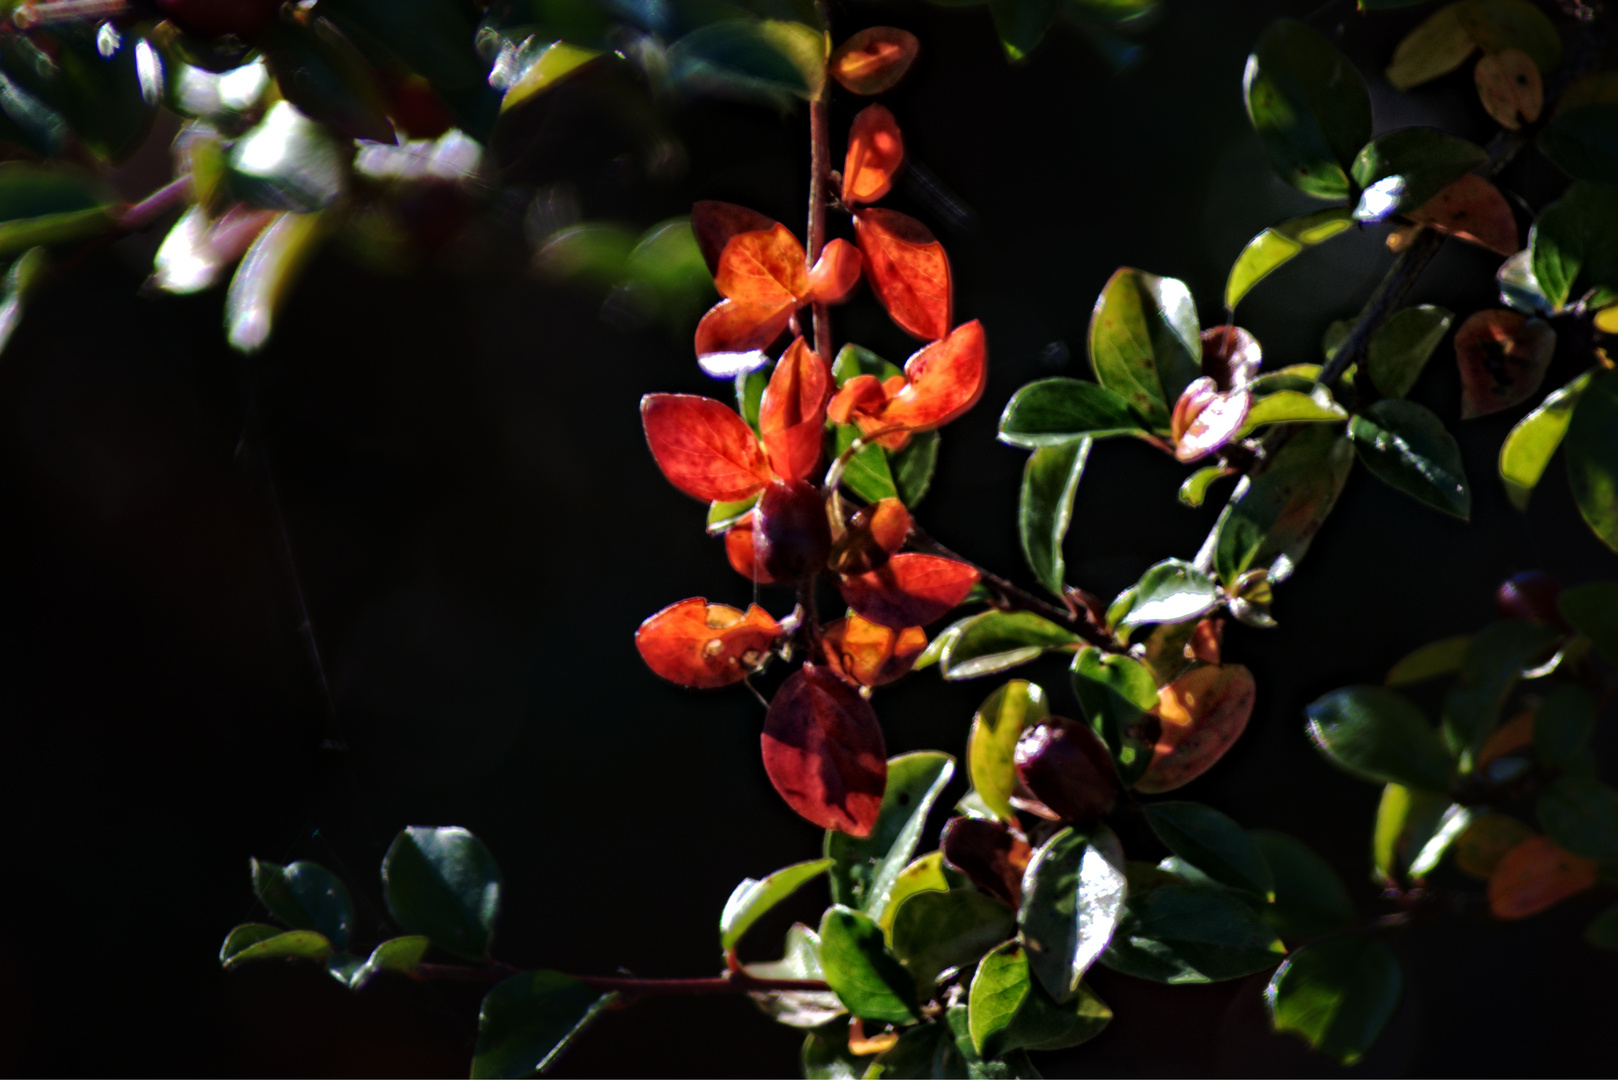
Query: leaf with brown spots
(1535,875)
(1510,87)
(823,751)
(1503,356)
(1472,209)
(1202,714)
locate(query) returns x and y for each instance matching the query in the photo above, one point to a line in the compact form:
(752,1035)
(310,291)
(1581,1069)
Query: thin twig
(819,178)
(734,982)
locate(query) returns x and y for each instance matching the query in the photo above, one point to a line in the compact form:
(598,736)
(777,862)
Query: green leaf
(1280,244)
(1191,934)
(1451,824)
(668,266)
(443,883)
(266,276)
(19,284)
(1013,1064)
(1272,518)
(1405,446)
(866,867)
(1430,661)
(1406,820)
(1145,342)
(1314,405)
(1378,734)
(922,1052)
(1513,24)
(1009,1010)
(528,1020)
(935,931)
(1310,898)
(343,966)
(305,896)
(1338,994)
(256,941)
(42,204)
(913,467)
(722,515)
(1073,894)
(751,899)
(1563,723)
(925,874)
(771,58)
(1530,444)
(1172,591)
(591,253)
(1212,843)
(855,360)
(1573,246)
(800,960)
(1309,107)
(867,473)
(1494,662)
(996,640)
(549,65)
(105,83)
(1195,488)
(1055,412)
(1603,932)
(288,162)
(1581,814)
(400,954)
(1400,347)
(825,1055)
(1021,24)
(1403,169)
(996,727)
(861,971)
(1592,610)
(1117,692)
(1592,455)
(1045,507)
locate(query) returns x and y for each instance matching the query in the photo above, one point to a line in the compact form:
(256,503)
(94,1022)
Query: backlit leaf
(703,447)
(1309,107)
(762,268)
(1535,875)
(1056,411)
(252,942)
(925,874)
(702,645)
(835,274)
(1073,894)
(997,640)
(1315,405)
(1309,896)
(1201,714)
(1338,994)
(1574,246)
(1145,342)
(1400,347)
(945,379)
(400,954)
(792,413)
(1404,169)
(1528,447)
(1591,453)
(444,884)
(1050,480)
(1436,47)
(1406,819)
(876,150)
(873,60)
(996,727)
(824,753)
(714,223)
(1278,245)
(1378,734)
(910,589)
(267,274)
(868,866)
(908,271)
(751,899)
(1404,445)
(1117,693)
(1471,209)
(863,974)
(527,1021)
(1191,934)
(730,336)
(869,654)
(1212,843)
(1009,1010)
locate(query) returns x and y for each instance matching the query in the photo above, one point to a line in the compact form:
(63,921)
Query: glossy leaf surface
(266,275)
(997,640)
(910,589)
(1309,107)
(1053,412)
(1118,694)
(1528,447)
(864,975)
(703,447)
(800,960)
(1572,247)
(996,727)
(1073,893)
(1278,245)
(1201,714)
(1338,994)
(1191,934)
(702,645)
(908,271)
(1273,519)
(1407,447)
(400,954)
(1170,592)
(751,898)
(443,883)
(1145,342)
(1310,898)
(933,931)
(874,59)
(867,867)
(527,1021)
(1212,843)
(824,753)
(1403,169)
(305,896)
(1050,480)
(1009,1010)
(1378,734)
(1591,452)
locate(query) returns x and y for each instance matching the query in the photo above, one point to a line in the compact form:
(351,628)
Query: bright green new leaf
(1009,1010)
(751,898)
(855,360)
(1314,405)
(933,931)
(305,896)
(1309,107)
(1212,843)
(556,62)
(1563,722)
(1581,814)
(925,874)
(1404,445)
(997,640)
(400,954)
(1272,518)
(1278,245)
(1406,819)
(1195,488)
(1429,662)
(1592,609)
(1403,169)
(1170,592)
(266,276)
(1191,934)
(866,867)
(1338,994)
(1400,347)
(861,971)
(1058,411)
(1494,662)
(256,941)
(1116,692)
(1045,507)
(443,883)
(1573,246)
(996,727)
(1310,899)
(867,474)
(722,515)
(1378,734)
(528,1020)
(1530,444)
(1073,894)
(1583,142)
(1145,342)
(1591,452)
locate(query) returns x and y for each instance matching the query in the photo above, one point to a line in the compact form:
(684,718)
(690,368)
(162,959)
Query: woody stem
(819,178)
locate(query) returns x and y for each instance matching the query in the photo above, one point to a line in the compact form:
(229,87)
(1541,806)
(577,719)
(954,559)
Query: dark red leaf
(875,152)
(1066,766)
(703,447)
(909,590)
(1503,356)
(823,751)
(909,271)
(872,534)
(714,223)
(792,413)
(873,59)
(989,853)
(791,536)
(698,644)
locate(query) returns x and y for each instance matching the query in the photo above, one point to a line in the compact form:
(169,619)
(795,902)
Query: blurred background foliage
(426,436)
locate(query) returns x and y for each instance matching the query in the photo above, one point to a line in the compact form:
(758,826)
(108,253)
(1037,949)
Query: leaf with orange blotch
(714,223)
(873,60)
(823,751)
(835,273)
(909,589)
(875,152)
(1503,356)
(868,654)
(1510,87)
(729,327)
(1201,715)
(792,413)
(763,268)
(1535,875)
(740,551)
(703,447)
(889,523)
(908,270)
(1472,209)
(698,644)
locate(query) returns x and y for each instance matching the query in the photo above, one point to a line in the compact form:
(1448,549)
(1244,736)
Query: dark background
(478,529)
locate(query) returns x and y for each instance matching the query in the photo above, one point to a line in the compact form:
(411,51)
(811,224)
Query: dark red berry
(791,535)
(1530,595)
(1066,766)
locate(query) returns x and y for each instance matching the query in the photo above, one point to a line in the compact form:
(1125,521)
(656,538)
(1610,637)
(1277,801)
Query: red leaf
(1201,714)
(763,268)
(908,269)
(1204,419)
(743,554)
(861,394)
(945,379)
(873,60)
(792,413)
(1503,356)
(909,589)
(824,753)
(1205,640)
(1472,209)
(695,643)
(729,327)
(835,273)
(870,655)
(714,223)
(1535,875)
(989,853)
(875,152)
(703,447)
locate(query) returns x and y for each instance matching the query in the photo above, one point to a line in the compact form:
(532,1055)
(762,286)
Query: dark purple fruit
(791,536)
(989,853)
(1066,766)
(1530,595)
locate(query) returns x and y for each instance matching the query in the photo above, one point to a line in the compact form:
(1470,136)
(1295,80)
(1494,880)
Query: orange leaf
(792,413)
(908,590)
(1503,356)
(870,655)
(873,534)
(714,223)
(1472,209)
(743,554)
(1205,640)
(1535,875)
(945,379)
(875,152)
(861,394)
(823,751)
(703,447)
(729,327)
(695,643)
(1510,88)
(1205,420)
(763,268)
(908,269)
(1202,713)
(1510,737)
(874,59)
(835,273)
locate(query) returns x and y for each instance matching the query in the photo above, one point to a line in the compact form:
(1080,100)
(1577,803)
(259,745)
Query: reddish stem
(819,178)
(734,982)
